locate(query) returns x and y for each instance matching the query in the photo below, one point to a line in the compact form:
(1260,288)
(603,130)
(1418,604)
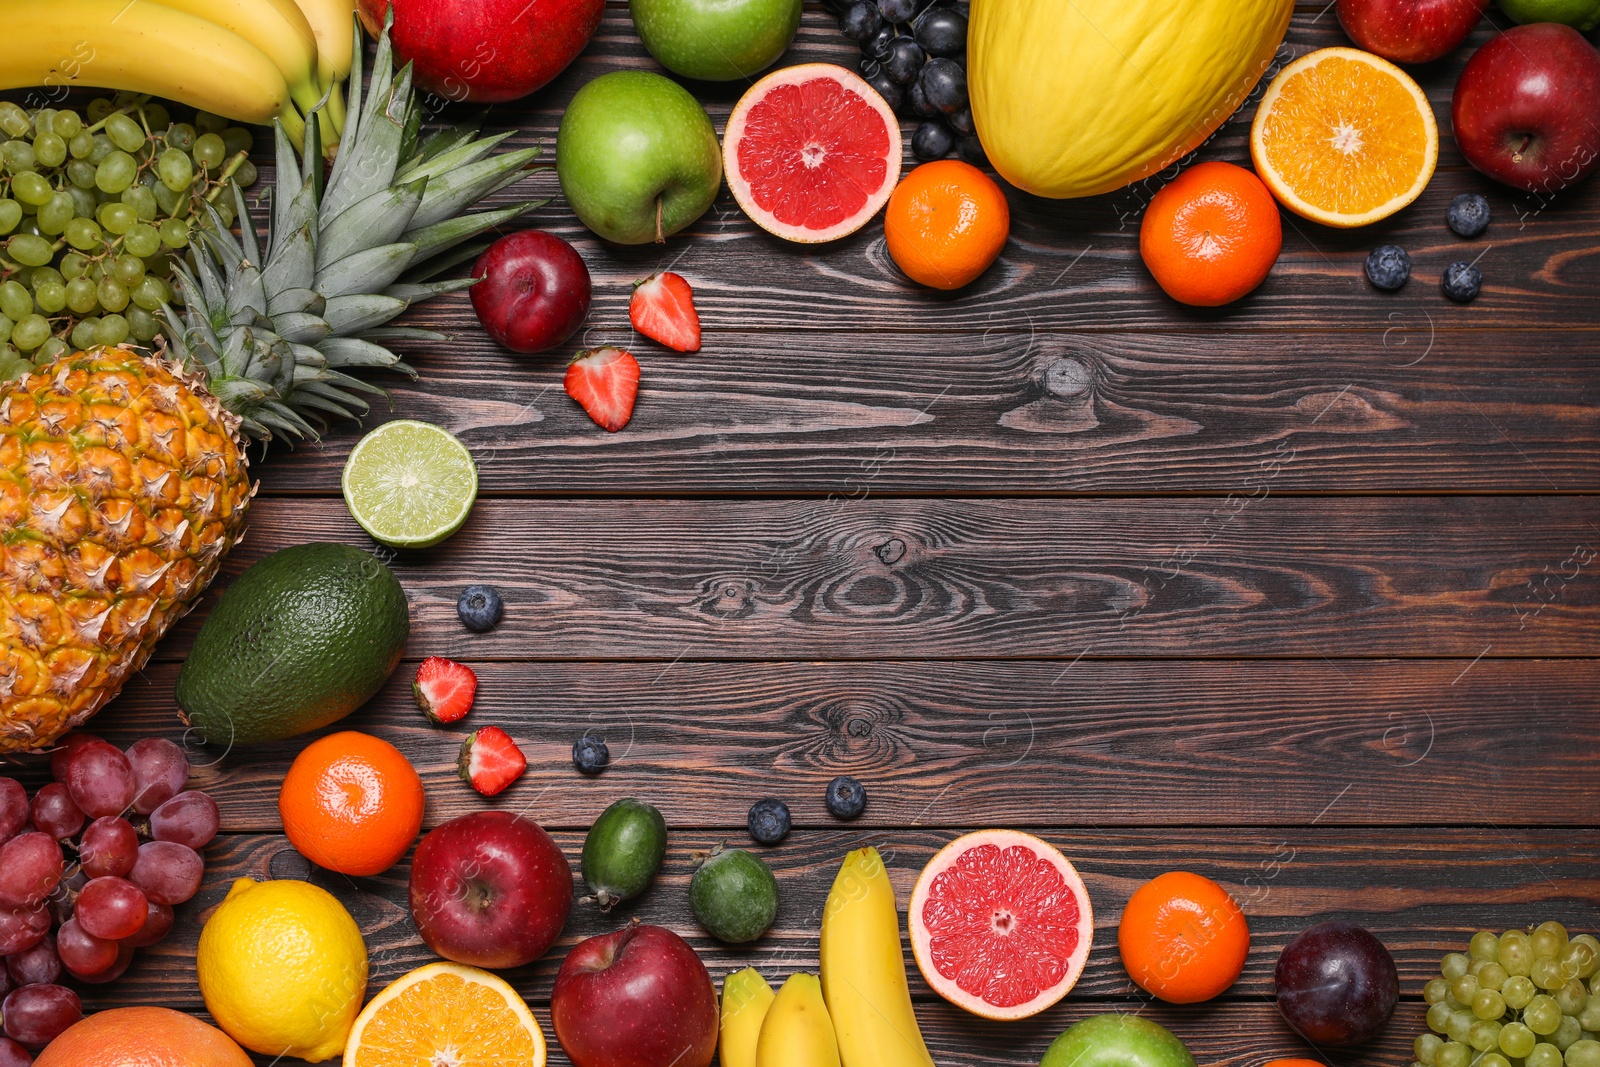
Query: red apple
(533,292)
(1410,31)
(490,889)
(486,50)
(1527,108)
(637,998)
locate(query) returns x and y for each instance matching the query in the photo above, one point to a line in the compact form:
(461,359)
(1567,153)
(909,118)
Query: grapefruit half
(1000,924)
(811,152)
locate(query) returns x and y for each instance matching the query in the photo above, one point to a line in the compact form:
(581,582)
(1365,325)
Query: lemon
(283,969)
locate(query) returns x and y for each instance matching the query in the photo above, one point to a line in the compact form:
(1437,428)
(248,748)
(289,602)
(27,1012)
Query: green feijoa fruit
(623,851)
(734,895)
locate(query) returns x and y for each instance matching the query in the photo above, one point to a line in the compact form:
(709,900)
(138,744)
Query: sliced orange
(446,1013)
(1344,138)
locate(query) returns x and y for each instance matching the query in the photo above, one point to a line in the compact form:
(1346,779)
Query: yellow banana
(746,996)
(864,969)
(143,47)
(797,1031)
(277,27)
(333,24)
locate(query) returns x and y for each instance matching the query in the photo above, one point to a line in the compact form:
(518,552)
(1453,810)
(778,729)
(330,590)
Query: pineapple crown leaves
(275,334)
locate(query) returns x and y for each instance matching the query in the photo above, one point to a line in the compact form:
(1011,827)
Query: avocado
(300,640)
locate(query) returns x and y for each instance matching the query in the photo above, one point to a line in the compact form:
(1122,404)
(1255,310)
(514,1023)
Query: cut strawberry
(606,382)
(490,760)
(663,310)
(444,689)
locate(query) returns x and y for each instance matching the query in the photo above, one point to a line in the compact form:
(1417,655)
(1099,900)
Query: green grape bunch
(1524,998)
(93,208)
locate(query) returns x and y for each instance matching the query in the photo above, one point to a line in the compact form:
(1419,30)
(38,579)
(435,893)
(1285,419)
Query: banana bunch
(247,60)
(858,1015)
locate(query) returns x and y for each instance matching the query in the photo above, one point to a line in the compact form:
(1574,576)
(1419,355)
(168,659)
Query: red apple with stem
(1526,110)
(1410,31)
(489,51)
(533,291)
(639,997)
(490,889)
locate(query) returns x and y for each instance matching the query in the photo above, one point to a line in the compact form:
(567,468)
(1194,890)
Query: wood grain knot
(1068,377)
(728,598)
(891,551)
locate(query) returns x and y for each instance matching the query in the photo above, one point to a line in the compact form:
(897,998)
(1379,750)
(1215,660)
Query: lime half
(410,484)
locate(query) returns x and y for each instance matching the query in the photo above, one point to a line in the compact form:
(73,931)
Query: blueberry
(1462,281)
(944,83)
(846,797)
(769,821)
(970,150)
(942,31)
(961,121)
(897,10)
(892,93)
(917,101)
(1388,266)
(590,754)
(933,140)
(480,608)
(860,21)
(904,61)
(1468,215)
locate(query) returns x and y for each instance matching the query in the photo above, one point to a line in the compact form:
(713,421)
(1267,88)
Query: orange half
(446,1013)
(1344,138)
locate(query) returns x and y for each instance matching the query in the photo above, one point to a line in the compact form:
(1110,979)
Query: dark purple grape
(970,150)
(941,31)
(870,68)
(22,928)
(82,952)
(157,924)
(892,94)
(944,83)
(897,10)
(1337,984)
(36,1015)
(64,748)
(37,964)
(961,121)
(860,21)
(169,873)
(878,45)
(933,140)
(111,908)
(124,958)
(5,982)
(188,819)
(54,812)
(13,807)
(160,771)
(109,846)
(100,778)
(917,101)
(13,1054)
(30,868)
(905,59)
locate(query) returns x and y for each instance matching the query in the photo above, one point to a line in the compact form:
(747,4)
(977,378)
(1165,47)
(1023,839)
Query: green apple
(1117,1040)
(716,40)
(637,157)
(1582,15)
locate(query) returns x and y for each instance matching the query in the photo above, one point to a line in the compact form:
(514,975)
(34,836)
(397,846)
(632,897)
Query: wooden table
(1301,594)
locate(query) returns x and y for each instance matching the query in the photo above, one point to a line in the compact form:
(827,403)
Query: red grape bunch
(100,856)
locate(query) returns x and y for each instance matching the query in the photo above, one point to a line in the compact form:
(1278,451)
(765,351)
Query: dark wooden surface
(1301,594)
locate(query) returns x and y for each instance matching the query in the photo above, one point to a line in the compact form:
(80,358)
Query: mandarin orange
(1211,235)
(351,803)
(1183,938)
(946,222)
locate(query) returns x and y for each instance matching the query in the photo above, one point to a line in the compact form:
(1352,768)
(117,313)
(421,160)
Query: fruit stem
(661,238)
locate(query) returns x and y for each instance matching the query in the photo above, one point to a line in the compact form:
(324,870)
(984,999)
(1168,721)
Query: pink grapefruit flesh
(1000,924)
(811,152)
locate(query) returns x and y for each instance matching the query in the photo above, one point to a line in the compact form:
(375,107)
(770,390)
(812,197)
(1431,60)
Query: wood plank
(1421,891)
(1402,408)
(871,578)
(969,744)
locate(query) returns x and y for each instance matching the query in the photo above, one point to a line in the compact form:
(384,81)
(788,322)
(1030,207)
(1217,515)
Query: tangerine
(1211,235)
(351,803)
(946,222)
(1183,938)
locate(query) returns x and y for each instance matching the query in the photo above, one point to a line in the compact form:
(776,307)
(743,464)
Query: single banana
(746,996)
(143,47)
(864,969)
(797,1031)
(277,27)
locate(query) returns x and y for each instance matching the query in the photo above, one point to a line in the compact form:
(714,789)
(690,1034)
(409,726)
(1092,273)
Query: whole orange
(351,803)
(1183,938)
(1211,234)
(946,222)
(142,1037)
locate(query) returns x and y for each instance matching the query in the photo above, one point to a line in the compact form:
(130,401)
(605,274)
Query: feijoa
(734,895)
(623,851)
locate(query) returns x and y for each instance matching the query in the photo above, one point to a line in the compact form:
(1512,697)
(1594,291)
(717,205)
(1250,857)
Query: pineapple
(123,474)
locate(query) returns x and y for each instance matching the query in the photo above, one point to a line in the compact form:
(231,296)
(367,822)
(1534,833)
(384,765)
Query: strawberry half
(606,382)
(444,689)
(490,760)
(662,309)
